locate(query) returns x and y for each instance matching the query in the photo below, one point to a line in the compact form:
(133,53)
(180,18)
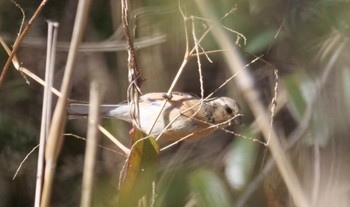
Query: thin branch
(302,128)
(273,105)
(239,35)
(134,75)
(23,161)
(26,71)
(196,43)
(209,127)
(23,17)
(99,145)
(187,55)
(114,140)
(246,84)
(19,40)
(207,97)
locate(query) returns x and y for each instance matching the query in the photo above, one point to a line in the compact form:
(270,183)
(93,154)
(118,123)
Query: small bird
(186,115)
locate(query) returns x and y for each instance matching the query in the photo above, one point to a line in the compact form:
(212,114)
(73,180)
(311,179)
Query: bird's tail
(79,110)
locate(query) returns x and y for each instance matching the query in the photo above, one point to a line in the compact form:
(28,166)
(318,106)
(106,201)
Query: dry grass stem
(300,131)
(246,85)
(209,127)
(187,55)
(96,93)
(178,74)
(23,17)
(19,40)
(273,105)
(210,95)
(196,45)
(55,137)
(135,79)
(23,161)
(25,71)
(46,110)
(114,140)
(108,45)
(99,145)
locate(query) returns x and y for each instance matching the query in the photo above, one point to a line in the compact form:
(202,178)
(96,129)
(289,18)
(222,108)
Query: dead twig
(246,84)
(134,75)
(19,40)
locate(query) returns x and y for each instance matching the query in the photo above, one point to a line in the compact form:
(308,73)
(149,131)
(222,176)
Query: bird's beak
(239,120)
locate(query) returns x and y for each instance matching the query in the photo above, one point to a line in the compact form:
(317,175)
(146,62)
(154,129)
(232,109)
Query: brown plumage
(184,113)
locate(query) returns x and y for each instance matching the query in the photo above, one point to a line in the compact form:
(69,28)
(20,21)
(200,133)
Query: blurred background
(305,41)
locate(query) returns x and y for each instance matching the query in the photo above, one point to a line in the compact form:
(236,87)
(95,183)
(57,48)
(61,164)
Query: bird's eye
(228,109)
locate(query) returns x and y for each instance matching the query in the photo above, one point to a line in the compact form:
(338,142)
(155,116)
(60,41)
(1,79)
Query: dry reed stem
(108,45)
(246,84)
(46,110)
(134,76)
(96,93)
(301,129)
(55,137)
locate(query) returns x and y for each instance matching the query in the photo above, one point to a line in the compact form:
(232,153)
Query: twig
(114,140)
(207,97)
(196,45)
(273,105)
(187,55)
(19,40)
(299,132)
(134,75)
(26,71)
(209,127)
(100,145)
(23,161)
(23,17)
(246,84)
(179,72)
(239,35)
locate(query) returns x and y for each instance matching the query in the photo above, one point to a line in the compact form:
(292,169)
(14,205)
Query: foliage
(305,41)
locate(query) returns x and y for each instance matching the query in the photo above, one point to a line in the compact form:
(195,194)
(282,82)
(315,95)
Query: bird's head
(228,109)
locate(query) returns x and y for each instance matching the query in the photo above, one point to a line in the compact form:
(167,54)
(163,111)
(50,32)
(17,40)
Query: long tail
(79,110)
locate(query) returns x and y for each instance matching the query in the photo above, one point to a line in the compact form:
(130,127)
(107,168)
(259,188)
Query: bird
(184,115)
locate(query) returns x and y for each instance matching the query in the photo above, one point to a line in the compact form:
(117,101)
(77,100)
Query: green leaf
(209,189)
(261,41)
(294,88)
(139,171)
(240,160)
